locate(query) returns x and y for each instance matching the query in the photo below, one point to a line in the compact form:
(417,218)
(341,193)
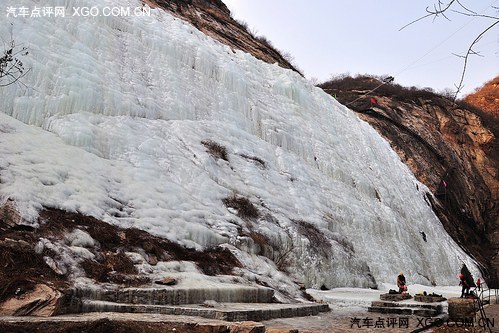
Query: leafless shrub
(282,259)
(216,150)
(11,67)
(348,88)
(319,243)
(244,207)
(265,40)
(243,24)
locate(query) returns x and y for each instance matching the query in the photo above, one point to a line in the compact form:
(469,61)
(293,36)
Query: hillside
(486,97)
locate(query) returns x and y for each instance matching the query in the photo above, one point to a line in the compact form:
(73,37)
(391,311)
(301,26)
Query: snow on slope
(112,123)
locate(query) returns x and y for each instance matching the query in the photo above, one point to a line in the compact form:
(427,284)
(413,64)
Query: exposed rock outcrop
(9,216)
(42,301)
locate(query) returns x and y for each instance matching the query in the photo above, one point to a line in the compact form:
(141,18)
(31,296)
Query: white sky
(328,37)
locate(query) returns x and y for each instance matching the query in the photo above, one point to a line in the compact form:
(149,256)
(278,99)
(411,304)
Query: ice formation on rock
(111,125)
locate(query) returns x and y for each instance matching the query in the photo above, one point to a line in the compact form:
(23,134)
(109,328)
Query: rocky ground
(339,321)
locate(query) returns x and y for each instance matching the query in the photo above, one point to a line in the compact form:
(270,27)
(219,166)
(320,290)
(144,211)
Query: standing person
(478,283)
(466,280)
(401,283)
(465,288)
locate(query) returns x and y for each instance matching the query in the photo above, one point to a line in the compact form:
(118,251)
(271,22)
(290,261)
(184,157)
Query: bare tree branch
(466,57)
(438,10)
(466,9)
(441,9)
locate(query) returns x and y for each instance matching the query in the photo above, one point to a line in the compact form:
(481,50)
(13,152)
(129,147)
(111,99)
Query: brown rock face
(43,301)
(451,148)
(9,215)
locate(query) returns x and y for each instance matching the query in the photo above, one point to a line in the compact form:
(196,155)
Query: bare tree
(456,6)
(11,67)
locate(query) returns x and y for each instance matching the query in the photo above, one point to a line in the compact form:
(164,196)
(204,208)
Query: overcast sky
(328,37)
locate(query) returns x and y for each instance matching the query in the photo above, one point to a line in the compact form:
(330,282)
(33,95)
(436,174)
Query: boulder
(247,327)
(461,308)
(9,216)
(42,301)
(168,281)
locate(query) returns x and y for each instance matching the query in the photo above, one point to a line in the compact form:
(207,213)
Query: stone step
(437,307)
(429,298)
(407,311)
(220,311)
(173,295)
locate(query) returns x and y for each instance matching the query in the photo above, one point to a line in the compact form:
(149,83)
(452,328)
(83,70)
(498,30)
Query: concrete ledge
(425,312)
(407,308)
(119,322)
(420,312)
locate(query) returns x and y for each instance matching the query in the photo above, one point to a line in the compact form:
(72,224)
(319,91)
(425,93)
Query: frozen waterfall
(111,124)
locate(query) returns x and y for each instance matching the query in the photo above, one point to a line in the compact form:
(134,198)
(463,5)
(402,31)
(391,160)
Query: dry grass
(319,243)
(216,150)
(245,209)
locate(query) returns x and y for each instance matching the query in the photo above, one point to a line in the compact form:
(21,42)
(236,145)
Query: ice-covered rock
(111,126)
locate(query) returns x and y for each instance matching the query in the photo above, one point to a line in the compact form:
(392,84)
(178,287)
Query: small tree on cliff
(11,67)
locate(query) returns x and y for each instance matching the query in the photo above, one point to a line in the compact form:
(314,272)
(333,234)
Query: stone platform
(394,297)
(429,299)
(176,296)
(222,311)
(228,303)
(405,308)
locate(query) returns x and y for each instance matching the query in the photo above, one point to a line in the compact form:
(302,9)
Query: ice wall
(119,107)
